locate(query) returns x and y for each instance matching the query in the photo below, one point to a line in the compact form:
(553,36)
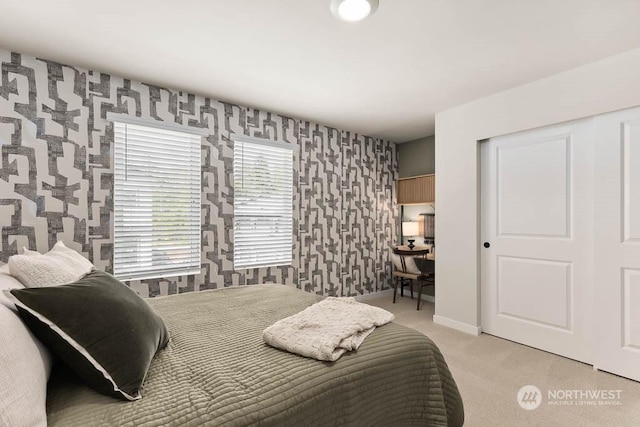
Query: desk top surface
(416,251)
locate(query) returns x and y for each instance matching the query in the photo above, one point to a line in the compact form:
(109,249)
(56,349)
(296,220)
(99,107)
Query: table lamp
(411,229)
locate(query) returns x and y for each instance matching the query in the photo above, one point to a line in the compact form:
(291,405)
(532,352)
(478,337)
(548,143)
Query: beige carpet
(489,372)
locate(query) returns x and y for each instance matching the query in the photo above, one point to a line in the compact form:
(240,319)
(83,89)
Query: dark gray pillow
(99,327)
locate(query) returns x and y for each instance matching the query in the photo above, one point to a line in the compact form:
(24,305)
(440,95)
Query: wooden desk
(417,251)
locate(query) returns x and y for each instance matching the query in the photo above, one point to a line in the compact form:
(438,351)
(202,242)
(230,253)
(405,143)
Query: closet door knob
(486,244)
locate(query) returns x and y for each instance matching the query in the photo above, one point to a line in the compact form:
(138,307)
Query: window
(263,203)
(156,200)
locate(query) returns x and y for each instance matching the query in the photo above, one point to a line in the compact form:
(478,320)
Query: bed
(216,370)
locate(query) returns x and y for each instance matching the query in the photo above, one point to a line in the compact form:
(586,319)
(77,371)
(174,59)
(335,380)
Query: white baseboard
(459,326)
(389,292)
(373,295)
(429,298)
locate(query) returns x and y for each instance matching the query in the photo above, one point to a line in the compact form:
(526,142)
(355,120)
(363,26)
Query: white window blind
(156,202)
(263,203)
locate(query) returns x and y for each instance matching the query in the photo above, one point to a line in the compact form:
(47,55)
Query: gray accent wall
(417,157)
(56,179)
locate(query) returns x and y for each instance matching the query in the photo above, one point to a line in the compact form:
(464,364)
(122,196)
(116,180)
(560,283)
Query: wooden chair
(407,272)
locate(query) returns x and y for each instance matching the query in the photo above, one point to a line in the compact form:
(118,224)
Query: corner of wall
(458,326)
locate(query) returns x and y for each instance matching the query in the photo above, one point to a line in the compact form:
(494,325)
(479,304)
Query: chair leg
(395,288)
(401,286)
(420,294)
(411,287)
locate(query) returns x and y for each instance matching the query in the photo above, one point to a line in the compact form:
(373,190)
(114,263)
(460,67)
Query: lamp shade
(410,228)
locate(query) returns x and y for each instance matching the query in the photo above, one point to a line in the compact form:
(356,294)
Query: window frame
(243,139)
(157,271)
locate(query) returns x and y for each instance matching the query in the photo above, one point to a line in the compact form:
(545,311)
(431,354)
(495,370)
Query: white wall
(608,85)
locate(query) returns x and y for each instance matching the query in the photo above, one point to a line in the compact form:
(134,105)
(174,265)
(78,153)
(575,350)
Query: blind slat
(140,155)
(141,228)
(158,186)
(155,245)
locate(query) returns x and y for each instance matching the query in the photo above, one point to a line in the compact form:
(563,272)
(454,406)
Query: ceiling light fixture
(353,10)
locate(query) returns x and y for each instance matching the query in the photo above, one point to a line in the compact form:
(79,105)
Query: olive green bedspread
(216,370)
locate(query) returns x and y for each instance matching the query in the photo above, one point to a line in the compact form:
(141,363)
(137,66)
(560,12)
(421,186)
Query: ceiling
(386,76)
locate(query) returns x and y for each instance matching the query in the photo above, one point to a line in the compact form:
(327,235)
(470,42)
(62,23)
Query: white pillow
(409,262)
(25,365)
(8,282)
(59,266)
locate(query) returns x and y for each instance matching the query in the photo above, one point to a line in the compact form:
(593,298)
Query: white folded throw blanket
(327,329)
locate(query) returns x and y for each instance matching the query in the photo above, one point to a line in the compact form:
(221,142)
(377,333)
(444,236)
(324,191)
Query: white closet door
(537,284)
(617,242)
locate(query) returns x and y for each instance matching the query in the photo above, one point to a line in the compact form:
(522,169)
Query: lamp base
(411,245)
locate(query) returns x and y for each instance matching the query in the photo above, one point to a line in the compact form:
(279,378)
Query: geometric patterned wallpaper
(56,180)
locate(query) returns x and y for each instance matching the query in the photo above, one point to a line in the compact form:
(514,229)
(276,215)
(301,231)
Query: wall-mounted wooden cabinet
(417,190)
